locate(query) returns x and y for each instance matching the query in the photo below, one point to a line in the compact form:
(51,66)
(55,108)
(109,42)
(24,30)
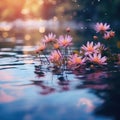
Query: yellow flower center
(96,59)
(65,42)
(78,60)
(90,48)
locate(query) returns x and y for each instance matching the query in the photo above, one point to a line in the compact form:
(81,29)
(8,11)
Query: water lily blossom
(109,35)
(100,47)
(41,48)
(112,33)
(75,60)
(97,58)
(68,29)
(95,37)
(65,41)
(100,27)
(90,48)
(49,38)
(55,56)
(63,57)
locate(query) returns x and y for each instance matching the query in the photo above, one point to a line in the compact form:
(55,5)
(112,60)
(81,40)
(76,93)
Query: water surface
(25,95)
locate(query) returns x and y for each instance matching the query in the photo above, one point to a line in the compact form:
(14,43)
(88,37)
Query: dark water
(25,95)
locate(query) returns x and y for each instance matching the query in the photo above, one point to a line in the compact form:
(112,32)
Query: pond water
(25,95)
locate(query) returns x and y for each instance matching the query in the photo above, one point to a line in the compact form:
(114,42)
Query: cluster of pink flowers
(105,30)
(58,45)
(91,52)
(56,57)
(90,48)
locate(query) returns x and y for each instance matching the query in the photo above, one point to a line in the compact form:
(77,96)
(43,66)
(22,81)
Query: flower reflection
(110,107)
(5,97)
(5,76)
(28,117)
(86,103)
(9,93)
(97,76)
(48,90)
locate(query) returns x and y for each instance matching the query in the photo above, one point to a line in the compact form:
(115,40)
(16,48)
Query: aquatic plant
(60,56)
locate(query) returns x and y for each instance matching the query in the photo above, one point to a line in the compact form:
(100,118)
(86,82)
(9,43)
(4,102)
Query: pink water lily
(101,47)
(109,35)
(112,33)
(90,48)
(65,41)
(41,48)
(97,58)
(100,27)
(55,56)
(49,38)
(75,59)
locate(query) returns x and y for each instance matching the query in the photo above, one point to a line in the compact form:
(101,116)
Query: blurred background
(87,94)
(24,22)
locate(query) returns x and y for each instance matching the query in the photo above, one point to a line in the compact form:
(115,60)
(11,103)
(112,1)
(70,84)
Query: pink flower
(97,58)
(100,27)
(75,59)
(41,48)
(95,37)
(65,41)
(90,48)
(112,33)
(68,29)
(55,56)
(109,35)
(49,38)
(100,47)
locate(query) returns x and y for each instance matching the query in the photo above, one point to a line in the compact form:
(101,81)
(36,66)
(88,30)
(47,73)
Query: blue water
(25,95)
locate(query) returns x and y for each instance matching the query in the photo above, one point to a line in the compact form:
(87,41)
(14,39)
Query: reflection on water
(25,95)
(88,104)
